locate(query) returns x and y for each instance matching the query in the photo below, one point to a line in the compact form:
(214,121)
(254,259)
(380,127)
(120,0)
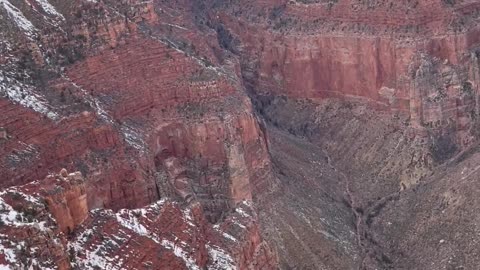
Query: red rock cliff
(136,96)
(67,200)
(371,51)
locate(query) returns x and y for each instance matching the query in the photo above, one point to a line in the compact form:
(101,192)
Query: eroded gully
(367,247)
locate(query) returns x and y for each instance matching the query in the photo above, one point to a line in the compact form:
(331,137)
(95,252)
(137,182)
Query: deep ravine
(369,249)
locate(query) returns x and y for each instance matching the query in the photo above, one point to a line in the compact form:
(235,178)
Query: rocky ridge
(51,228)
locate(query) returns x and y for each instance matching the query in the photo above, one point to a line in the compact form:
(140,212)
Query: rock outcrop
(185,239)
(66,200)
(35,223)
(53,228)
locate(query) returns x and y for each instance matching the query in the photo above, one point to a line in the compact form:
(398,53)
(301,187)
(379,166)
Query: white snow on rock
(17,16)
(4,44)
(127,219)
(93,102)
(24,153)
(141,222)
(135,221)
(24,95)
(9,254)
(228,236)
(187,216)
(133,137)
(220,259)
(48,8)
(242,212)
(11,247)
(180,253)
(11,217)
(95,259)
(224,234)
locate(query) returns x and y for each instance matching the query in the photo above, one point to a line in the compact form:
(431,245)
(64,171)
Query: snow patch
(224,234)
(131,222)
(93,102)
(228,236)
(221,260)
(176,26)
(131,135)
(243,227)
(180,253)
(48,8)
(11,217)
(96,258)
(242,213)
(187,215)
(134,222)
(128,219)
(9,254)
(133,138)
(19,19)
(24,95)
(29,152)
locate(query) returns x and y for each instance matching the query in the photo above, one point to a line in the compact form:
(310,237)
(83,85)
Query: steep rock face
(149,101)
(202,117)
(415,62)
(34,221)
(369,50)
(121,94)
(184,149)
(67,200)
(134,96)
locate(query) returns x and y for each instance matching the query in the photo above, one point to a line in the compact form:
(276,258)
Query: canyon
(218,134)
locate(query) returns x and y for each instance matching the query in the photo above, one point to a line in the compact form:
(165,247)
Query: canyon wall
(378,95)
(375,51)
(160,106)
(132,95)
(120,96)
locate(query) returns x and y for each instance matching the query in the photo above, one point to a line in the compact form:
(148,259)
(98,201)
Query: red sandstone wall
(129,77)
(376,64)
(66,200)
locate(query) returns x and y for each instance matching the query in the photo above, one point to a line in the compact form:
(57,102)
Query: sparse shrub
(449,2)
(467,88)
(443,148)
